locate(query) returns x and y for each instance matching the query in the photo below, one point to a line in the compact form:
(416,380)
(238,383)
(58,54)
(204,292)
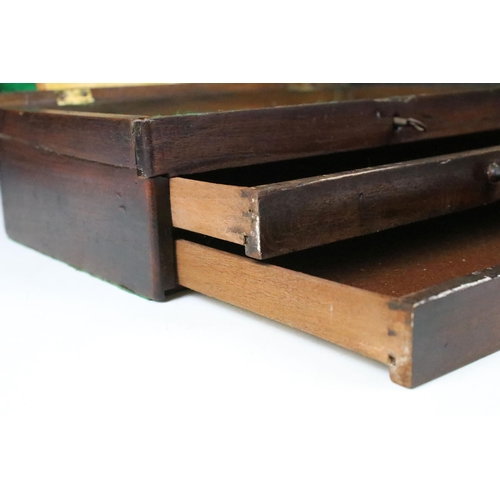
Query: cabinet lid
(182,129)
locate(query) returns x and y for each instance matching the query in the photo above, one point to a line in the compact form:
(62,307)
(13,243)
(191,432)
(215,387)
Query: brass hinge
(74,97)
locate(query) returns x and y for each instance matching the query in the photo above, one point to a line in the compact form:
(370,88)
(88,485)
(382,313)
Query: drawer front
(277,219)
(455,325)
(411,298)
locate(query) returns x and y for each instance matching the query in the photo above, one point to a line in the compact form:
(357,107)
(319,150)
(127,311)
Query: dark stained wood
(232,125)
(162,253)
(196,99)
(455,324)
(305,213)
(403,260)
(142,140)
(26,99)
(312,166)
(198,143)
(101,219)
(114,99)
(158,92)
(100,138)
(276,219)
(106,95)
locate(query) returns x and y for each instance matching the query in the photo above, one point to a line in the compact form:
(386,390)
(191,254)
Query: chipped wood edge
(400,356)
(253,240)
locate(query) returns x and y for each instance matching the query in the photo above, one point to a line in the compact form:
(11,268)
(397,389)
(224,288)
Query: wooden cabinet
(342,197)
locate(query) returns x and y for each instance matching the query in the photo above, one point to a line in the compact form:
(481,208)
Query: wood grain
(101,219)
(179,99)
(350,317)
(306,213)
(284,217)
(99,138)
(232,125)
(403,260)
(455,324)
(212,209)
(413,297)
(196,143)
(161,240)
(47,99)
(105,93)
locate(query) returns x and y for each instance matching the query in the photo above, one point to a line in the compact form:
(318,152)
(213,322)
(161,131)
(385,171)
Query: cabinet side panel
(95,217)
(162,242)
(456,326)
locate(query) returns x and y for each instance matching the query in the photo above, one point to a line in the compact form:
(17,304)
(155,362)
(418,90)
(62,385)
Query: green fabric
(17,87)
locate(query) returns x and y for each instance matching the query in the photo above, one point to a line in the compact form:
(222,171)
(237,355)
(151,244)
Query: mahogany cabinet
(364,214)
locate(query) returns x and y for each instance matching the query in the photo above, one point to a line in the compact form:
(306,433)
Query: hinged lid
(182,129)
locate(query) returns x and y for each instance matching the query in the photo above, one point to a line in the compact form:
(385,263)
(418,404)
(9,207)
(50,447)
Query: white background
(104,395)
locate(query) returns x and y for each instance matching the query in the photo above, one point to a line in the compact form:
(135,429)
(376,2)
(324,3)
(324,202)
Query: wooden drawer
(86,172)
(282,216)
(423,298)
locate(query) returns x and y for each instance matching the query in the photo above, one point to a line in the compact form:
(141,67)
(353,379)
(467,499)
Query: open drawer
(86,173)
(276,209)
(422,298)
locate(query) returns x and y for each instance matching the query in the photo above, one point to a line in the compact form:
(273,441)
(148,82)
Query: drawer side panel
(358,320)
(211,209)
